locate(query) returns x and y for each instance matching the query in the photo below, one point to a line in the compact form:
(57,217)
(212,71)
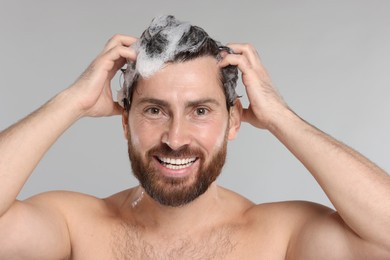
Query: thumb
(247,115)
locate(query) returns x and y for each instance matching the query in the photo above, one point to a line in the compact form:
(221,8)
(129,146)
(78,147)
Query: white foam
(147,65)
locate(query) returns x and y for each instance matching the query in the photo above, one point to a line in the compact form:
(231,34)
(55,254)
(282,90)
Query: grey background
(329,59)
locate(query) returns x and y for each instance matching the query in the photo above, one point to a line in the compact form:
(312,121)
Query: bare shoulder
(54,222)
(42,220)
(271,228)
(67,201)
(283,220)
(74,209)
(295,212)
(313,231)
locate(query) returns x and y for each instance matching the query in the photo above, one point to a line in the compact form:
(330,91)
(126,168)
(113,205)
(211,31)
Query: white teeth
(175,164)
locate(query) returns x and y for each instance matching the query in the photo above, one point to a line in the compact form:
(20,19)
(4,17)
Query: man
(178,116)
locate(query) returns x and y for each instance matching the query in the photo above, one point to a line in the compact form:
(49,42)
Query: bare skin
(220,224)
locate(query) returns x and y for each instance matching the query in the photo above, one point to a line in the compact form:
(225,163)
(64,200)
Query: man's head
(177,127)
(168,40)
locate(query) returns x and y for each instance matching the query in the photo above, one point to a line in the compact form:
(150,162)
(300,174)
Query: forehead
(193,79)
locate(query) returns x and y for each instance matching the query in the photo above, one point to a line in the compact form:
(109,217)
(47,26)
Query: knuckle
(116,37)
(244,61)
(248,46)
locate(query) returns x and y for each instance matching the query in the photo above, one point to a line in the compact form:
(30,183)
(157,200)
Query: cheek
(143,135)
(134,137)
(213,136)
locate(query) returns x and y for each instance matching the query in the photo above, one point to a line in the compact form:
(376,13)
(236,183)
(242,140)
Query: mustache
(163,150)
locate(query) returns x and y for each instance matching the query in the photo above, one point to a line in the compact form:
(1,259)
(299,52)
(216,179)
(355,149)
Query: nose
(177,133)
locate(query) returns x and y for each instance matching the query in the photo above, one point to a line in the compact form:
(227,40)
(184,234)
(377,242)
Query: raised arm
(359,190)
(34,228)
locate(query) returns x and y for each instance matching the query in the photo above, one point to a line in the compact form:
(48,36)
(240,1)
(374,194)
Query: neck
(190,217)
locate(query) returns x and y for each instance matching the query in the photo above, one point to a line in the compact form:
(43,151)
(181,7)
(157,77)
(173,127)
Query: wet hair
(168,40)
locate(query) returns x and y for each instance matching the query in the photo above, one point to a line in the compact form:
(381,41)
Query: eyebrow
(154,101)
(202,101)
(193,103)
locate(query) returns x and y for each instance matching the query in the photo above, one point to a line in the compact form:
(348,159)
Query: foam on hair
(160,43)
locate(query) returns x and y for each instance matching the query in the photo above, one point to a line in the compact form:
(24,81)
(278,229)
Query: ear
(125,123)
(235,116)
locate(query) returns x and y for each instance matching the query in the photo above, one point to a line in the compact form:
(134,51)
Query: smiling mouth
(176,163)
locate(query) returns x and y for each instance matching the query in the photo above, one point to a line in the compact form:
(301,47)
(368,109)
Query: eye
(154,111)
(201,111)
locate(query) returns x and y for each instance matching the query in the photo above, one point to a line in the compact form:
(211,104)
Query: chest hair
(129,242)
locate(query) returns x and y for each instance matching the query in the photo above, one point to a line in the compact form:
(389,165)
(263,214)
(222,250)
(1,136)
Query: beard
(176,191)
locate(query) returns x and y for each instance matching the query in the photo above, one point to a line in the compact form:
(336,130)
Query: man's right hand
(92,90)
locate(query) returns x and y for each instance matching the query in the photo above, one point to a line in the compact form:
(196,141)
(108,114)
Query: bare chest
(132,243)
(128,242)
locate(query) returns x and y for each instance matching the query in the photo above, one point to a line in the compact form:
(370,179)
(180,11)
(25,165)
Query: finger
(116,109)
(117,57)
(236,60)
(250,76)
(125,57)
(249,117)
(119,39)
(245,66)
(246,115)
(248,51)
(122,56)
